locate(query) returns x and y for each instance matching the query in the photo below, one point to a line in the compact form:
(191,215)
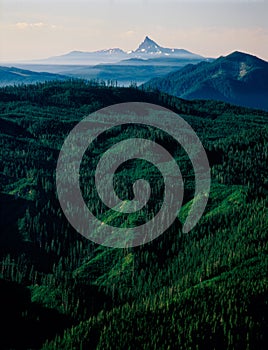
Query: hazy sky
(43,28)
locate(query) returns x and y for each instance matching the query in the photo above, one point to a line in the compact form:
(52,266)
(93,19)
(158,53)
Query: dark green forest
(206,289)
(222,79)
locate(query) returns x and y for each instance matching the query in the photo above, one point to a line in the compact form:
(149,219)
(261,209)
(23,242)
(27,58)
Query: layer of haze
(33,29)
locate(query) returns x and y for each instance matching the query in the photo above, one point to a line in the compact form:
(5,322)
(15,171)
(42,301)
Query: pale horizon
(40,29)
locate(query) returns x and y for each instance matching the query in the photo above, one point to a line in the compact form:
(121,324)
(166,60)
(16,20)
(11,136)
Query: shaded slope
(239,78)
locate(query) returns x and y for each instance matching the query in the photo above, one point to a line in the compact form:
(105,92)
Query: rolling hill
(238,78)
(136,71)
(15,76)
(124,73)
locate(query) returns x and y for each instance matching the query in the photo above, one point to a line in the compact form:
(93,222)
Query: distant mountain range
(147,49)
(129,71)
(16,76)
(149,60)
(238,78)
(134,70)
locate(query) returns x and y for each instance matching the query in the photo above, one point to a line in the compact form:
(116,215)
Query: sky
(32,29)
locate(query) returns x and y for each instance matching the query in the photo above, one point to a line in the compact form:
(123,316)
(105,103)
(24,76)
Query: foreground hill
(203,290)
(238,78)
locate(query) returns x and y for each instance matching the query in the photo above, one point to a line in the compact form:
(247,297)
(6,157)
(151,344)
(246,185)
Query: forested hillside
(206,289)
(238,78)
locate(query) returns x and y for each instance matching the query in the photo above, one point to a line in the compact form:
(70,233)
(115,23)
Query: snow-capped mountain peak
(149,46)
(147,49)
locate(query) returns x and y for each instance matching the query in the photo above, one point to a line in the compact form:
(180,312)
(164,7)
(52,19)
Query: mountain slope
(238,78)
(15,76)
(150,47)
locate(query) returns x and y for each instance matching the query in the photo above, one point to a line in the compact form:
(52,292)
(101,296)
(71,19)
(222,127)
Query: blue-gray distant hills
(16,76)
(149,60)
(238,78)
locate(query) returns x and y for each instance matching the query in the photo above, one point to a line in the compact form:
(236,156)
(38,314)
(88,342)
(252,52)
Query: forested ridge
(206,289)
(238,78)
